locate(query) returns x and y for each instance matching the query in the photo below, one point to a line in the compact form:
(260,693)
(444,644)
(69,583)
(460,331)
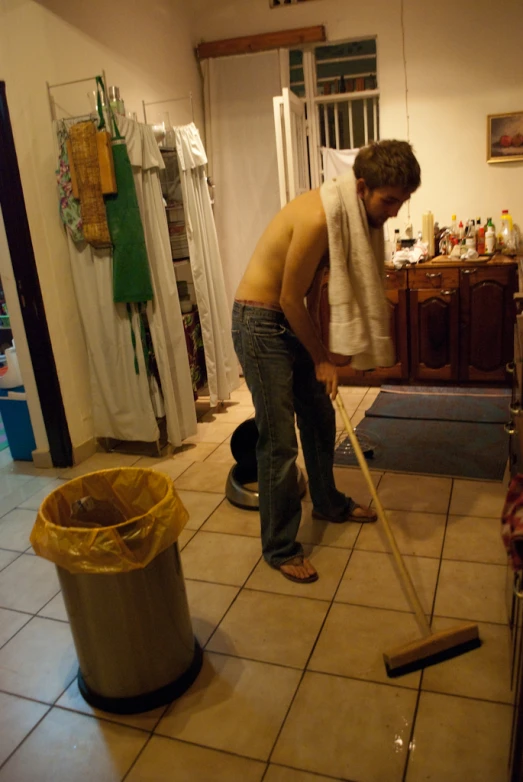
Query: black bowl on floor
(241,488)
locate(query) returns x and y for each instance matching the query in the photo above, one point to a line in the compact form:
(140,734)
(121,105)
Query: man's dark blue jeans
(280,375)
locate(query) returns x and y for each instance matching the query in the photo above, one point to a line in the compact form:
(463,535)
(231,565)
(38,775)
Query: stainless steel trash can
(133,635)
(123,588)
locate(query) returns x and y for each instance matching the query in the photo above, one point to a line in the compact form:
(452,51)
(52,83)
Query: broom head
(431,650)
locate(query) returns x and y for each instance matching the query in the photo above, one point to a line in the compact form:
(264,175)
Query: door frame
(12,204)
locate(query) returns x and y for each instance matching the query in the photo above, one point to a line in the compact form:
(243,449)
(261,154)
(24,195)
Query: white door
(291,145)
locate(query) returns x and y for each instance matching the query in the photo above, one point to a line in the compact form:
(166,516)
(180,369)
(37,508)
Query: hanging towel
(131,272)
(512,523)
(359,312)
(337,161)
(70,211)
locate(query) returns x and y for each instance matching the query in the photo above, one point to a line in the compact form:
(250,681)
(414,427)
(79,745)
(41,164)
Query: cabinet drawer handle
(510,428)
(448,293)
(515,409)
(510,368)
(430,276)
(517,586)
(390,276)
(468,271)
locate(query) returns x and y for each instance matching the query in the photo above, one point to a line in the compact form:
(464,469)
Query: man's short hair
(388,164)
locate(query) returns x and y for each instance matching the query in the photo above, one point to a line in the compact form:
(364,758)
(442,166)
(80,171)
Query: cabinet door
(434,327)
(487,322)
(397,300)
(395,287)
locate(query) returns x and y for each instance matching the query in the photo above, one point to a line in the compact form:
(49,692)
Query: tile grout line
(26,698)
(20,554)
(99,717)
(304,670)
(235,598)
(411,734)
(35,726)
(221,751)
(138,756)
(30,617)
(420,686)
(442,550)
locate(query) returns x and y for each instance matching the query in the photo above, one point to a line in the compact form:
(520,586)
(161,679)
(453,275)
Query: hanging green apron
(131,272)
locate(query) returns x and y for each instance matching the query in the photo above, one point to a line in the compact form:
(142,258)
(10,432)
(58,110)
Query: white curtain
(207,271)
(241,142)
(337,161)
(123,400)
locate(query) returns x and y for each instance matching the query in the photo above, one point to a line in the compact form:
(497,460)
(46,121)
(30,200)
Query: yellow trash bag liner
(154,515)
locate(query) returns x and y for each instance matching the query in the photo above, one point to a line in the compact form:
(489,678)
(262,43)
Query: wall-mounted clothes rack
(51,87)
(168,100)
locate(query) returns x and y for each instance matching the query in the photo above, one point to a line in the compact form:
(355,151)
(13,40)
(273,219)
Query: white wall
(463,63)
(145,48)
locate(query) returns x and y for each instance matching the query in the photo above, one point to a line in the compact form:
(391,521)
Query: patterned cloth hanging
(70,212)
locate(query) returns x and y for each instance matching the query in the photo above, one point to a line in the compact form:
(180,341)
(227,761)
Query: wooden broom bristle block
(431,645)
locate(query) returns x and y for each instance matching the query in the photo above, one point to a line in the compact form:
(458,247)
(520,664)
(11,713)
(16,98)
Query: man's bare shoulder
(307,209)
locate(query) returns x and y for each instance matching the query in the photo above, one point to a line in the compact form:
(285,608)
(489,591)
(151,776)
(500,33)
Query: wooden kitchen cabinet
(396,293)
(434,324)
(486,322)
(449,323)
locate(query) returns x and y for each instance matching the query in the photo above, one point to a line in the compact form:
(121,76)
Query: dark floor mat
(465,450)
(488,406)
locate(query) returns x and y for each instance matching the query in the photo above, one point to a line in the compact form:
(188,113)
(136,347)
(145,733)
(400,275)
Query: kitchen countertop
(440,260)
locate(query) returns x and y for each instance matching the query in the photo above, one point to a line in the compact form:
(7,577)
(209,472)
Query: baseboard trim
(84,450)
(42,459)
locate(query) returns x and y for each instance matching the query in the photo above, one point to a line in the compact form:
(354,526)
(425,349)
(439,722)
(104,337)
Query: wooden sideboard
(450,323)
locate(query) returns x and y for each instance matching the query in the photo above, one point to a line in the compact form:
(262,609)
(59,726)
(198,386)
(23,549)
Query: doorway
(20,250)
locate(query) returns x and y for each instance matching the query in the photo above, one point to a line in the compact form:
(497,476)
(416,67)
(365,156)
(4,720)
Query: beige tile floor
(293,687)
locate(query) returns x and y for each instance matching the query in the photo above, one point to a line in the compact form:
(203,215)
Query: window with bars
(339,85)
(279,3)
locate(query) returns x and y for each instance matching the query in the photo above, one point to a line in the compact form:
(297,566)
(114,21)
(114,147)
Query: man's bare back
(263,278)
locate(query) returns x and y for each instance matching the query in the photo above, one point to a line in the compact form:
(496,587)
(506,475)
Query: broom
(433,647)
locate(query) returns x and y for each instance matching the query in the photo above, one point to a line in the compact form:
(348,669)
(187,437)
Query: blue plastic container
(17,425)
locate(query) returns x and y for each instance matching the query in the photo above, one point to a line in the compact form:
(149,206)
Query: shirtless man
(286,366)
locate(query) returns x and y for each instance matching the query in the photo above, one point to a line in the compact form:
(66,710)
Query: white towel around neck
(359,312)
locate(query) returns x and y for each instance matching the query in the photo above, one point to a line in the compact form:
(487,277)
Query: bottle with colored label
(507,233)
(490,238)
(480,240)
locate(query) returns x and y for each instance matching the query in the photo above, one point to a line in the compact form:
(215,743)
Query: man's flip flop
(298,561)
(349,517)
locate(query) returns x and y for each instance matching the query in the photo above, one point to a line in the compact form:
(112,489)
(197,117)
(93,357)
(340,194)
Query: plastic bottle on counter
(427,230)
(397,240)
(454,226)
(480,240)
(489,222)
(507,243)
(490,238)
(461,230)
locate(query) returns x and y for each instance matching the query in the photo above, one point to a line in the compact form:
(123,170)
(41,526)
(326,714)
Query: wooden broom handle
(405,575)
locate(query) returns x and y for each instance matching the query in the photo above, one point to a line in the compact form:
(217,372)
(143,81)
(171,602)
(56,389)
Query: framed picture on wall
(505,137)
